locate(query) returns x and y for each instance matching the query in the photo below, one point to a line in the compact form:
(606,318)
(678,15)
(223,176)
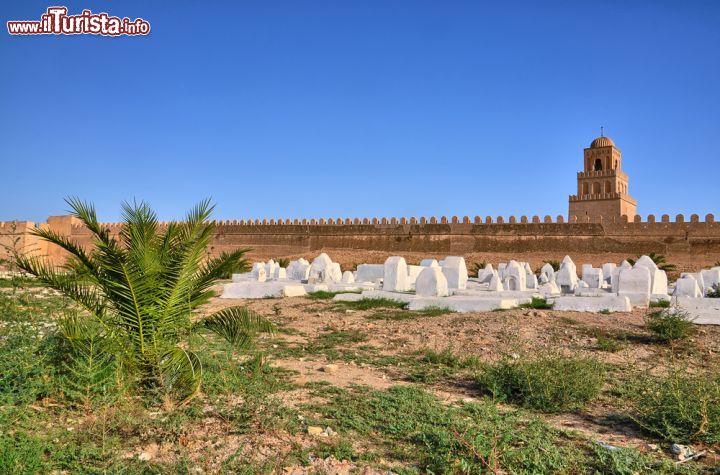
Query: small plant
(537,303)
(140,294)
(550,383)
(670,324)
(679,407)
(435,311)
(477,268)
(240,264)
(658,259)
(660,304)
(369,303)
(282,261)
(555,264)
(607,342)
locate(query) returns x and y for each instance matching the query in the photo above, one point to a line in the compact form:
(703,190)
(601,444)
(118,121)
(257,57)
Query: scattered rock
(330,368)
(145,456)
(682,451)
(314,430)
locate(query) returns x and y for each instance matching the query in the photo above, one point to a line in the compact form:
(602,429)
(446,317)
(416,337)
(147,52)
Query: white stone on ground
(395,275)
(515,276)
(429,263)
(547,272)
(566,278)
(593,277)
(486,274)
(348,277)
(608,269)
(369,272)
(298,270)
(431,283)
(455,272)
(687,286)
(259,290)
(259,272)
(413,273)
(495,284)
(635,284)
(280,273)
(611,303)
(704,311)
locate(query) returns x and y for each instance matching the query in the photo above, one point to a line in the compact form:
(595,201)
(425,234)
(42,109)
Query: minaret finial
(602,131)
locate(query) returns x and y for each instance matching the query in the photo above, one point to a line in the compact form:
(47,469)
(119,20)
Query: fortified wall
(432,235)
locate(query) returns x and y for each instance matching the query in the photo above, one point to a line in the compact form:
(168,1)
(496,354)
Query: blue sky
(361,108)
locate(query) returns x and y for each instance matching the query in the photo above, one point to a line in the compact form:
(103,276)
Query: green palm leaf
(237,325)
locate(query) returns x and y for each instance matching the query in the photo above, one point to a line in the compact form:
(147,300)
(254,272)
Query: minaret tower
(602,187)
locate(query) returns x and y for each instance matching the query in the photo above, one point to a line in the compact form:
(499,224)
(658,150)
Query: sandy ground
(485,335)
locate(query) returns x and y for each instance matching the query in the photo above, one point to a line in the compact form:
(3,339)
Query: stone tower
(602,187)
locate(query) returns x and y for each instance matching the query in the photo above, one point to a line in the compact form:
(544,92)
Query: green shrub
(679,407)
(537,303)
(369,303)
(555,264)
(549,383)
(326,295)
(439,438)
(282,261)
(670,324)
(608,342)
(624,461)
(660,304)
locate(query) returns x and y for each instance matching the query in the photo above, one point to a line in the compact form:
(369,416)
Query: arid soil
(488,336)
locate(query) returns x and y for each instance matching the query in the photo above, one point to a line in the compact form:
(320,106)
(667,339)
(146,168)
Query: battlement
(435,234)
(602,174)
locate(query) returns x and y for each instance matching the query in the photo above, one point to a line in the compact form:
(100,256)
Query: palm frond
(237,325)
(180,372)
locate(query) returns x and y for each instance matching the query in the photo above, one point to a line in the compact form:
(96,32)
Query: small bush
(679,407)
(282,261)
(550,383)
(555,264)
(624,461)
(367,304)
(670,324)
(608,343)
(537,303)
(435,311)
(660,304)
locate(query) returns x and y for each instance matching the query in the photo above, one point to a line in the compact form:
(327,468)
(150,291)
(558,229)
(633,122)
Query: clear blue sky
(361,108)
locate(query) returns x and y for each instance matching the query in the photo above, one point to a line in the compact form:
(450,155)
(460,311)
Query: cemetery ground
(367,387)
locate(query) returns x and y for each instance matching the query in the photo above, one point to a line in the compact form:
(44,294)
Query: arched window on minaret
(596,188)
(584,189)
(607,187)
(598,165)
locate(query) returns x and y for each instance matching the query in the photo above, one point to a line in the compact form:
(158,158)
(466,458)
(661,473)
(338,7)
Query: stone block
(431,283)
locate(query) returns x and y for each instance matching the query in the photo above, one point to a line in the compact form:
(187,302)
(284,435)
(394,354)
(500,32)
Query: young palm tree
(140,293)
(659,260)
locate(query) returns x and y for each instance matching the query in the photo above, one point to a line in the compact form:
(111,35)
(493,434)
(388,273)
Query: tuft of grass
(679,407)
(624,461)
(550,383)
(554,263)
(325,295)
(282,261)
(660,304)
(537,303)
(670,324)
(340,337)
(370,303)
(435,311)
(607,342)
(413,425)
